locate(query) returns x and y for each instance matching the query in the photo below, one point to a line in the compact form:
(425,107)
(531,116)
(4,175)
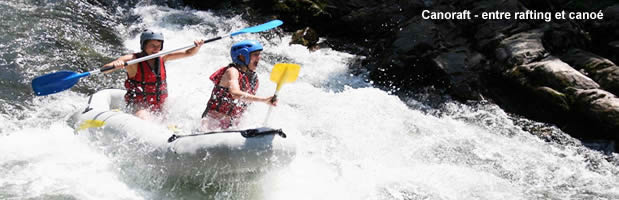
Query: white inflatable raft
(223,152)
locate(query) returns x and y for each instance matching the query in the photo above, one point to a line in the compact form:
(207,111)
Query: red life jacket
(221,100)
(148,87)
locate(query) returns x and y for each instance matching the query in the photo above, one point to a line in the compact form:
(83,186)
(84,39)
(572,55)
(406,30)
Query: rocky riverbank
(559,71)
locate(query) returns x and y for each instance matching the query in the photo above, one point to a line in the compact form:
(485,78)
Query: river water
(354,141)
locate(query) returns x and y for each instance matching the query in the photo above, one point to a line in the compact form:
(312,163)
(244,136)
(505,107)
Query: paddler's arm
(231,77)
(181,54)
(120,63)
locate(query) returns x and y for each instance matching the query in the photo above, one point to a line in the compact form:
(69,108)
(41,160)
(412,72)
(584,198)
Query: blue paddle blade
(259,28)
(55,82)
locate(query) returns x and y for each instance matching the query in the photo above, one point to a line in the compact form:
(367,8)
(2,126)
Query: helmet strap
(244,68)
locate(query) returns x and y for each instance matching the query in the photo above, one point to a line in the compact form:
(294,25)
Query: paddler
(146,81)
(235,87)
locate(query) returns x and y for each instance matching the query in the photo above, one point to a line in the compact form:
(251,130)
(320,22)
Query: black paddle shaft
(245,133)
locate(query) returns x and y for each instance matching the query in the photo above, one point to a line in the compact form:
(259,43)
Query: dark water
(40,37)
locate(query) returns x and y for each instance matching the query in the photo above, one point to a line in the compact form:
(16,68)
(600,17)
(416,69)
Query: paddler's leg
(144,114)
(214,121)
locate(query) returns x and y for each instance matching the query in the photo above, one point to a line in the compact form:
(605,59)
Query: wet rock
(354,19)
(557,100)
(306,37)
(550,72)
(559,37)
(611,24)
(461,66)
(601,70)
(604,34)
(409,62)
(417,37)
(545,83)
(612,12)
(521,48)
(614,50)
(599,105)
(489,34)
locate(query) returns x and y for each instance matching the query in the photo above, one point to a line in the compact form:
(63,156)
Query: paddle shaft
(279,85)
(254,29)
(175,137)
(280,82)
(131,62)
(62,80)
(266,120)
(245,133)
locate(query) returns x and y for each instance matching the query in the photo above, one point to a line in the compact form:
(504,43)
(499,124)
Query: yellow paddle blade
(284,73)
(90,124)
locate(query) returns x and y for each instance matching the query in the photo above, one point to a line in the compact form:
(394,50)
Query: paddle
(245,133)
(282,73)
(62,80)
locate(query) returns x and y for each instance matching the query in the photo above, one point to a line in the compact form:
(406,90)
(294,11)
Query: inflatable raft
(223,152)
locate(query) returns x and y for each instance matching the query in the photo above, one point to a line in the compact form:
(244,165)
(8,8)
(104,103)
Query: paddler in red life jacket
(146,81)
(235,87)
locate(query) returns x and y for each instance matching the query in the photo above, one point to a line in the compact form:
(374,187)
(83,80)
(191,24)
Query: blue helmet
(150,35)
(244,48)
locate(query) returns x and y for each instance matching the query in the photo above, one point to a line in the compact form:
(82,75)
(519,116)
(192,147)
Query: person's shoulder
(232,70)
(130,56)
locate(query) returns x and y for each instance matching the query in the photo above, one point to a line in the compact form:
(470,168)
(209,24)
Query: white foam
(40,163)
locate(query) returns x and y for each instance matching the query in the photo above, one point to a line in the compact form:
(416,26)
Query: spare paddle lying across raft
(245,133)
(62,80)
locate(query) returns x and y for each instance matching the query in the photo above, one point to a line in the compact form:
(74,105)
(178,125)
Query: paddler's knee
(215,123)
(144,114)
